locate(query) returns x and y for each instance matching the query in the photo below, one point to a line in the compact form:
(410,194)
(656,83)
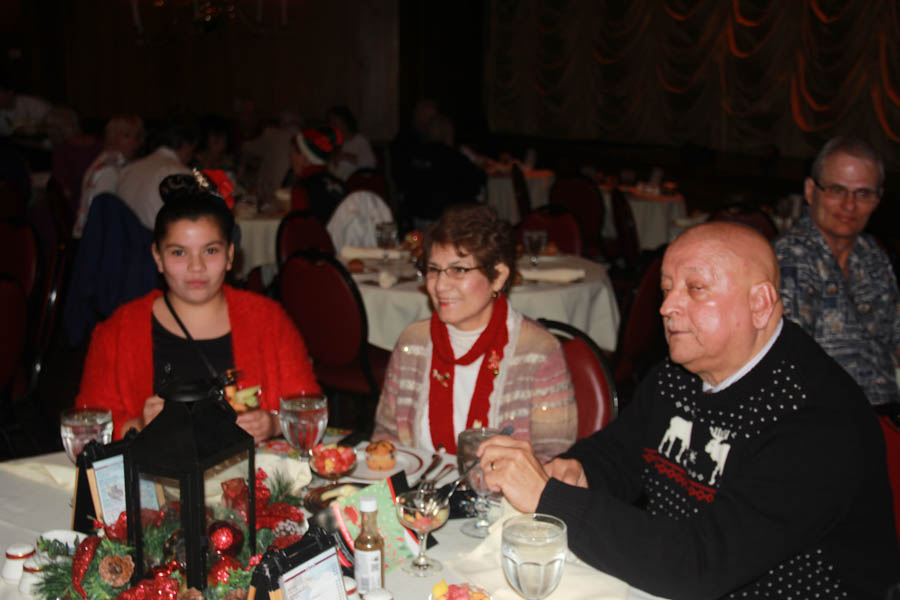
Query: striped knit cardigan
(533,391)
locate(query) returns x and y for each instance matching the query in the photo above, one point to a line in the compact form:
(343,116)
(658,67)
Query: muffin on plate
(381,455)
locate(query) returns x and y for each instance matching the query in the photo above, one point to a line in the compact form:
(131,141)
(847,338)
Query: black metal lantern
(166,468)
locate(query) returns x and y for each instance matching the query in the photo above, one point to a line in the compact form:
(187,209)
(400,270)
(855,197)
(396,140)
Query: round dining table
(499,192)
(257,244)
(36,495)
(656,215)
(587,303)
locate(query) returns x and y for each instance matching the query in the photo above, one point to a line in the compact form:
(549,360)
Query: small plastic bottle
(368,554)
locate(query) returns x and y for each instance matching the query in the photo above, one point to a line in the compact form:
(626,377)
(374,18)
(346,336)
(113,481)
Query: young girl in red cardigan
(141,348)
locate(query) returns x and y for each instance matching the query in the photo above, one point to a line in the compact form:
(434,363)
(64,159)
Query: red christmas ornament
(225,537)
(83,556)
(156,588)
(219,571)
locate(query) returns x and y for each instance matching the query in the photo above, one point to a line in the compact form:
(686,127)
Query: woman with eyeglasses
(477,361)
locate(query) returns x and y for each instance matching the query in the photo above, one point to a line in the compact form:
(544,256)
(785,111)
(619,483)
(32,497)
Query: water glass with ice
(303,420)
(78,426)
(533,551)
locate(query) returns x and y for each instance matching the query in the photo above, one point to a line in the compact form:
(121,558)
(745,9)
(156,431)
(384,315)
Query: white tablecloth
(589,304)
(258,235)
(34,497)
(654,217)
(500,194)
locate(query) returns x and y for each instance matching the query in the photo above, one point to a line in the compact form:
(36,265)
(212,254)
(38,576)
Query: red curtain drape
(745,76)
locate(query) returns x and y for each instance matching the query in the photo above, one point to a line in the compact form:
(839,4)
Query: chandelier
(204,16)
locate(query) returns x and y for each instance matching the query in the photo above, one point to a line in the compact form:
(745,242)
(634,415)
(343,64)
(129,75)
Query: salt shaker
(15,559)
(31,576)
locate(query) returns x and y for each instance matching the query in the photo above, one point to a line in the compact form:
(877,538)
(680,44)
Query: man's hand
(567,470)
(511,467)
(260,424)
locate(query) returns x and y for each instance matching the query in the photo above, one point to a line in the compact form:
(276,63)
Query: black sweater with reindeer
(775,487)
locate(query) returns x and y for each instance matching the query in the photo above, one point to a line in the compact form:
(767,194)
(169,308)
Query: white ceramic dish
(408,459)
(68,537)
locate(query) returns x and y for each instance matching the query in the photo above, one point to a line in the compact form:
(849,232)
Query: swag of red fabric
(440,398)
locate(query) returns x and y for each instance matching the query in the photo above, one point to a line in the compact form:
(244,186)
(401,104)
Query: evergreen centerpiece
(102,568)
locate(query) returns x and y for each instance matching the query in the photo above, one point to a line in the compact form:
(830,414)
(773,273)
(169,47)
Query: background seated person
(355,151)
(315,189)
(747,465)
(476,362)
(837,283)
(141,348)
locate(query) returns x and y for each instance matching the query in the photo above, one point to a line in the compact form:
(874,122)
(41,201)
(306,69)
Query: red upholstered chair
(520,189)
(581,197)
(892,445)
(61,208)
(20,254)
(13,328)
(12,205)
(300,230)
(746,214)
(641,340)
(370,180)
(322,299)
(560,225)
(626,245)
(13,333)
(595,392)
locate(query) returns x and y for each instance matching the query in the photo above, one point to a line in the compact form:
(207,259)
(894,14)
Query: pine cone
(190,594)
(287,528)
(238,594)
(116,570)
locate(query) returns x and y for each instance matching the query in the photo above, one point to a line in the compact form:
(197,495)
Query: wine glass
(386,237)
(303,419)
(534,241)
(78,426)
(422,511)
(466,446)
(534,550)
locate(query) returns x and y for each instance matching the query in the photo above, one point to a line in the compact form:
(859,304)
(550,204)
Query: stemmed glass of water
(533,551)
(78,426)
(466,447)
(303,419)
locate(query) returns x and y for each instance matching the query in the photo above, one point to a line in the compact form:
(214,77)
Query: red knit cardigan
(118,370)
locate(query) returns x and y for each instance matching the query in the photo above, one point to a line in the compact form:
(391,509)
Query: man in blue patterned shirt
(836,282)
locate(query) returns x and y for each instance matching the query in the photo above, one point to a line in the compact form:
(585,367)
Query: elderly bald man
(749,463)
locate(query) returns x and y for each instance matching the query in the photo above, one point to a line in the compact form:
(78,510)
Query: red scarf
(440,398)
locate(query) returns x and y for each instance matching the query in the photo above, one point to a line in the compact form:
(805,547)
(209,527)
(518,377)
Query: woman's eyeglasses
(453,272)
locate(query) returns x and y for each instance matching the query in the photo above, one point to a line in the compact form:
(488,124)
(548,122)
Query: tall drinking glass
(466,445)
(303,420)
(386,237)
(533,551)
(533,241)
(78,426)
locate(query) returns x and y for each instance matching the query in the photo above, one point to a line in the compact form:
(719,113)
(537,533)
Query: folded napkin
(482,566)
(351,252)
(291,468)
(57,475)
(554,275)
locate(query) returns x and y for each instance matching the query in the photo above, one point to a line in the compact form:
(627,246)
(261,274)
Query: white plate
(408,459)
(476,589)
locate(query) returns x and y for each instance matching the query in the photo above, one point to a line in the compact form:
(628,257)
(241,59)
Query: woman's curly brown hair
(477,230)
